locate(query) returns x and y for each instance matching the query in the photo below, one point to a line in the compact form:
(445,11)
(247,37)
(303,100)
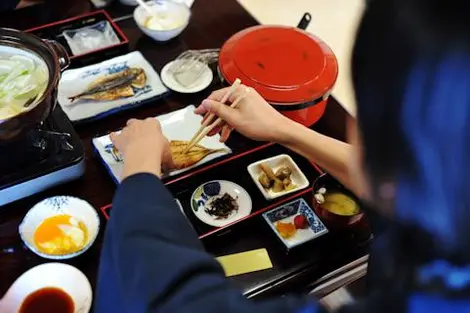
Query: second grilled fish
(114,86)
(193,156)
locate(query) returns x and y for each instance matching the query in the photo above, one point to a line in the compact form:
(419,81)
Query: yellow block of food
(245,262)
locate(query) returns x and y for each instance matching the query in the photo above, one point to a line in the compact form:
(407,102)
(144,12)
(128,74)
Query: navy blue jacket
(152,261)
(8,5)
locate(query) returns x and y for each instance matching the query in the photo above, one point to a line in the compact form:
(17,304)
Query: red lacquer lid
(284,64)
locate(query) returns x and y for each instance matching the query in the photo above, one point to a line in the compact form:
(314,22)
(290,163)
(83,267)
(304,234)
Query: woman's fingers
(131,121)
(225,133)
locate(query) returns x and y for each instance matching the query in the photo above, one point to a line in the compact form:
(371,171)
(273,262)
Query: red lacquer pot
(293,70)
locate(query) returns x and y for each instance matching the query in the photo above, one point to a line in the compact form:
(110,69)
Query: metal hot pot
(292,69)
(56,59)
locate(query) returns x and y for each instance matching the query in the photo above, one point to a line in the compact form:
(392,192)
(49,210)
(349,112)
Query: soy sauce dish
(334,204)
(50,287)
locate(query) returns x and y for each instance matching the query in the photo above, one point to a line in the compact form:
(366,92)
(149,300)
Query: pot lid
(284,64)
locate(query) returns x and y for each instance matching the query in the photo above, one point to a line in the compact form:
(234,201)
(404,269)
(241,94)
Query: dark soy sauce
(48,300)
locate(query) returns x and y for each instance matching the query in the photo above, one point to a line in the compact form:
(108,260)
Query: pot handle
(305,21)
(64,60)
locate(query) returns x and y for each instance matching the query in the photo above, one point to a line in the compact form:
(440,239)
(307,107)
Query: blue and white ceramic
(75,207)
(75,81)
(178,125)
(286,214)
(207,192)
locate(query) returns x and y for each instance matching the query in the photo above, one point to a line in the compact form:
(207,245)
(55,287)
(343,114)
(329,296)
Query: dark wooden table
(213,22)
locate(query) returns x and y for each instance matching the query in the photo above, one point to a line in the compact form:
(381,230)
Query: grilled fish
(114,86)
(197,153)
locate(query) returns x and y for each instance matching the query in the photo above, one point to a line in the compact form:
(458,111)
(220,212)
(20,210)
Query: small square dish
(90,38)
(295,223)
(278,165)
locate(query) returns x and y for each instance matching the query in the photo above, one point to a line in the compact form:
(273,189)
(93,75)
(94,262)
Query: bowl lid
(284,64)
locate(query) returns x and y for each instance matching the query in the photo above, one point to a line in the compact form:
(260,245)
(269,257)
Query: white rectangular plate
(177,125)
(298,177)
(74,82)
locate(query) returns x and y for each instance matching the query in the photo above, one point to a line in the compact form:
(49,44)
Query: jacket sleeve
(8,5)
(158,264)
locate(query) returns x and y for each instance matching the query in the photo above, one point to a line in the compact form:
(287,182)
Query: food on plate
(115,86)
(23,80)
(164,21)
(301,222)
(221,207)
(338,203)
(212,189)
(60,234)
(283,173)
(286,230)
(277,182)
(194,155)
(180,160)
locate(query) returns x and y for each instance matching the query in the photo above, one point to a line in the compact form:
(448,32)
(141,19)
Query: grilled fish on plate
(114,86)
(194,155)
(180,160)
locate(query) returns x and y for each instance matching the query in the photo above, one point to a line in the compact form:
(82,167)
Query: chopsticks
(205,129)
(207,121)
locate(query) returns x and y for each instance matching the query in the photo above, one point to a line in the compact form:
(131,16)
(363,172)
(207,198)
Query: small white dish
(286,213)
(298,177)
(207,192)
(174,19)
(76,81)
(50,275)
(202,83)
(178,125)
(77,208)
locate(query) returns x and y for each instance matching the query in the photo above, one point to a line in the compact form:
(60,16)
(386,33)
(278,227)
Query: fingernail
(206,104)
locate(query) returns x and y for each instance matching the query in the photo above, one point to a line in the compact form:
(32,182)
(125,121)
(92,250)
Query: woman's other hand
(144,147)
(254,117)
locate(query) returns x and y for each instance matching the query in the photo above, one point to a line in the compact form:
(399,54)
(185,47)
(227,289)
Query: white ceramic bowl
(55,275)
(298,177)
(77,208)
(178,10)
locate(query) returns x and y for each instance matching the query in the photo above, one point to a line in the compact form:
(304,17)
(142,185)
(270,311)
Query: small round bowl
(77,208)
(178,10)
(50,275)
(332,219)
(206,192)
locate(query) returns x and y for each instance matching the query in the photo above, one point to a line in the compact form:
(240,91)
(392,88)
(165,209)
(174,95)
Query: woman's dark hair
(411,73)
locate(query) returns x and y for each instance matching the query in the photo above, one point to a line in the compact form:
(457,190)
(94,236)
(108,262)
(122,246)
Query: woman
(411,72)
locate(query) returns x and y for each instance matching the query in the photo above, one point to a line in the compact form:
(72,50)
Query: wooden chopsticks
(205,129)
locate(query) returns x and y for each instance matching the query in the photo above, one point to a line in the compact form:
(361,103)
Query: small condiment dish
(76,208)
(287,213)
(50,275)
(175,18)
(298,178)
(206,193)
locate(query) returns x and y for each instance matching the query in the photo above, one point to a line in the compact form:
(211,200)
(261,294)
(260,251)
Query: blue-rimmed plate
(205,195)
(287,213)
(77,81)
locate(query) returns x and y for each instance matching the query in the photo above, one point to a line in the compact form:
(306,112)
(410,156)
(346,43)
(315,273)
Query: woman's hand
(144,147)
(254,117)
